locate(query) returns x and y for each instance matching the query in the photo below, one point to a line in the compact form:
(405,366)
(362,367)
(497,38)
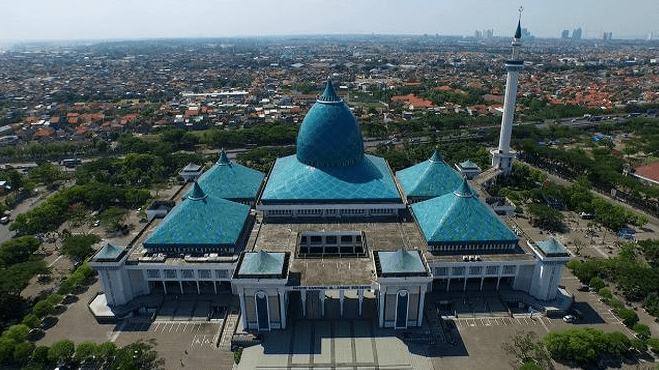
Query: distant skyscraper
(607,35)
(565,34)
(576,34)
(502,157)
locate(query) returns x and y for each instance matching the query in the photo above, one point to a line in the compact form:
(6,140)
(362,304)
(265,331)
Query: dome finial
(197,192)
(464,191)
(518,32)
(436,157)
(329,96)
(223,160)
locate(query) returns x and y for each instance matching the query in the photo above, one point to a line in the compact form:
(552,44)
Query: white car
(569,318)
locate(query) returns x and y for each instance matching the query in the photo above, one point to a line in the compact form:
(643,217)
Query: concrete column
(422,301)
(215,286)
(341,298)
(164,286)
(381,318)
(464,286)
(321,295)
(303,295)
(243,312)
(282,308)
(448,284)
(198,290)
(180,284)
(482,279)
(360,295)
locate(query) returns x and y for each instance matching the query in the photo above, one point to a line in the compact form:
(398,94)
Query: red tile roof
(650,171)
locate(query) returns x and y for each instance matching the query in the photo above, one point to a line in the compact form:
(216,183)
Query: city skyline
(33,20)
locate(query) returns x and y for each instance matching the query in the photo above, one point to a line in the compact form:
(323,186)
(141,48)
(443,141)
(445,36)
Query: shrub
(616,304)
(530,366)
(31,320)
(237,354)
(629,317)
(596,283)
(653,343)
(605,293)
(642,329)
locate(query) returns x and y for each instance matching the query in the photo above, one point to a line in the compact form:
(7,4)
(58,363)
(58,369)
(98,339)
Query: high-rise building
(502,157)
(576,34)
(565,34)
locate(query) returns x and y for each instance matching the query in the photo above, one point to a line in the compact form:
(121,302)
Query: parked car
(569,318)
(4,220)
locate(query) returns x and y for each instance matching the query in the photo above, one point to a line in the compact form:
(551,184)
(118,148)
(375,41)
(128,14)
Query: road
(26,205)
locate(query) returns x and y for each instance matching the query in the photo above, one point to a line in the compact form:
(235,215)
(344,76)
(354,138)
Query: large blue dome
(329,135)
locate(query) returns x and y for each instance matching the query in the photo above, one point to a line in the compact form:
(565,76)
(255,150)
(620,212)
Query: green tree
(18,250)
(106,350)
(545,217)
(137,356)
(629,317)
(40,355)
(46,173)
(23,352)
(78,247)
(85,351)
(61,351)
(596,283)
(526,348)
(113,218)
(18,333)
(43,308)
(7,347)
(31,320)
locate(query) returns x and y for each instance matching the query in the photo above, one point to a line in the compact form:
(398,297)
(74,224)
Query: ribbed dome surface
(329,135)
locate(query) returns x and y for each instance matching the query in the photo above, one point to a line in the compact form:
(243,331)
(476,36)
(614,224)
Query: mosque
(332,221)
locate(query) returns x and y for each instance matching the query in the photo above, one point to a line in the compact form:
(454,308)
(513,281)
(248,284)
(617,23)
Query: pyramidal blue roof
(552,247)
(109,252)
(262,263)
(368,180)
(460,217)
(430,178)
(200,220)
(329,135)
(230,180)
(400,261)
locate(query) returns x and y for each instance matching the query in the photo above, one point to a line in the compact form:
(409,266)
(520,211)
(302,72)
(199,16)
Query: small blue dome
(329,135)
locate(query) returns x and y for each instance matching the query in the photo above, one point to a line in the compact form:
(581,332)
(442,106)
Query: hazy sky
(95,19)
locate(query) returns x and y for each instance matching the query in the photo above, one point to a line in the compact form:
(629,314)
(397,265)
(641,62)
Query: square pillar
(243,311)
(381,314)
(464,286)
(198,291)
(282,308)
(180,284)
(321,294)
(482,280)
(360,295)
(422,301)
(164,286)
(303,295)
(341,298)
(215,286)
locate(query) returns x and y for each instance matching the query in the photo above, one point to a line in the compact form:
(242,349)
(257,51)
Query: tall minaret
(502,157)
